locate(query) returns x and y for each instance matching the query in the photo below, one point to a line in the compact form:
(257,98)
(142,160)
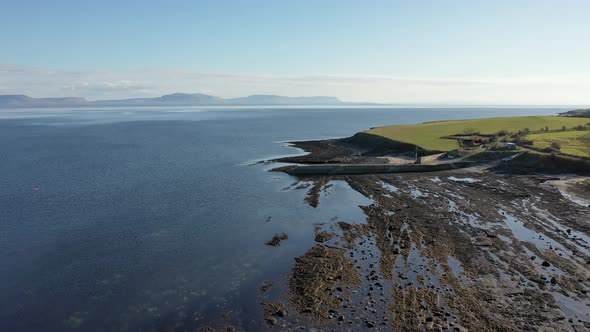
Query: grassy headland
(575,143)
(434,136)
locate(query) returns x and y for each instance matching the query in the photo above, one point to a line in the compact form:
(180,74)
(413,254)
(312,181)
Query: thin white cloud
(44,82)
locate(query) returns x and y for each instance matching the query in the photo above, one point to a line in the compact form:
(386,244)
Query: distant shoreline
(203,100)
(295,106)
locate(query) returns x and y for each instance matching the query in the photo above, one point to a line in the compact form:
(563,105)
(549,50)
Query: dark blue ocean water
(137,219)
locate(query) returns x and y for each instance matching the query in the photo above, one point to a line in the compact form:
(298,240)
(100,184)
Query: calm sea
(128,219)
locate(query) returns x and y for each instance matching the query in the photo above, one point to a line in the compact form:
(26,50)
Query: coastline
(480,248)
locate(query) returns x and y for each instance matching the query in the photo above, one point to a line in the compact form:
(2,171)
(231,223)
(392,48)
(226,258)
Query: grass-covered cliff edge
(442,135)
(548,144)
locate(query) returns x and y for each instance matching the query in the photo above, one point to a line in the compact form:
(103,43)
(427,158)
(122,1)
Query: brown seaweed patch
(272,310)
(265,286)
(276,240)
(313,195)
(314,278)
(351,232)
(324,236)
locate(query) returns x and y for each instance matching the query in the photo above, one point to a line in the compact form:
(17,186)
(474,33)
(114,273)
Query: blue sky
(454,42)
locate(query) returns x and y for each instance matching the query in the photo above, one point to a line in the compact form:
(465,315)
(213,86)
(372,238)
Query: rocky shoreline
(443,251)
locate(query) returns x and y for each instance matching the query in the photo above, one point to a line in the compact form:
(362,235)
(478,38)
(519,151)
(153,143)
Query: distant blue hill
(20,101)
(280,100)
(175,99)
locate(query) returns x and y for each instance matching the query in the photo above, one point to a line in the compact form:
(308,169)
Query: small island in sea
(475,225)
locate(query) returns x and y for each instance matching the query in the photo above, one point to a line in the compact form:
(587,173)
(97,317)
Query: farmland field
(576,143)
(429,135)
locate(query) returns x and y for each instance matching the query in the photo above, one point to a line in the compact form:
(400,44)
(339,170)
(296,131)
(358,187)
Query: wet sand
(576,189)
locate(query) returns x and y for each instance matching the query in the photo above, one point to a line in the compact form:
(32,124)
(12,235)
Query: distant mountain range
(175,99)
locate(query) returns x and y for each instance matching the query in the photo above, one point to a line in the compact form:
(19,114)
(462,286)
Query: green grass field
(429,135)
(576,143)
